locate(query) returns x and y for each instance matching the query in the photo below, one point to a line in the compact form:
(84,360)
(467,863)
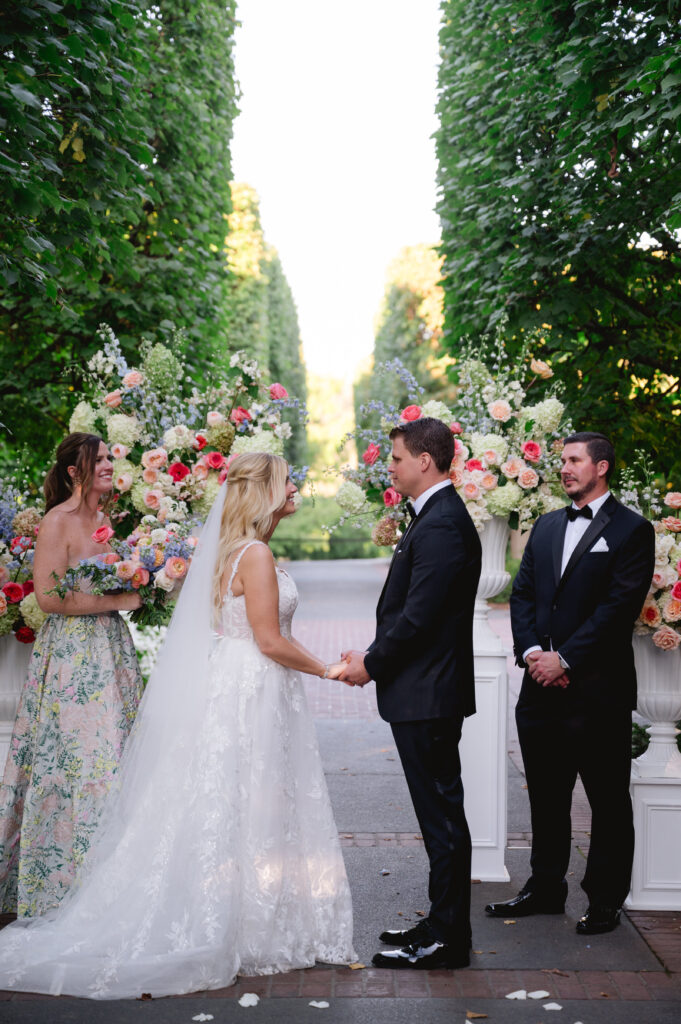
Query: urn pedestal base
(14,659)
(656,876)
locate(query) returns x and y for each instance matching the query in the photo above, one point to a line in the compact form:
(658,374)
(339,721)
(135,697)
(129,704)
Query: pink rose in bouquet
(14,592)
(391,497)
(371,454)
(214,460)
(673,499)
(456,428)
(666,638)
(471,490)
(176,568)
(473,464)
(278,392)
(200,442)
(155,458)
(119,451)
(178,471)
(532,451)
(672,524)
(240,415)
(150,476)
(133,379)
(500,410)
(528,478)
(411,412)
(113,399)
(102,535)
(676,591)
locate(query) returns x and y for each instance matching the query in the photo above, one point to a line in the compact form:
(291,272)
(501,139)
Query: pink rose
(152,499)
(123,482)
(532,451)
(119,451)
(672,524)
(391,497)
(528,478)
(460,448)
(240,415)
(102,535)
(371,454)
(666,638)
(541,369)
(500,410)
(176,568)
(213,418)
(178,471)
(512,467)
(133,379)
(278,392)
(455,475)
(491,457)
(456,428)
(471,491)
(140,577)
(473,464)
(676,591)
(488,481)
(110,558)
(155,458)
(412,412)
(673,499)
(125,570)
(113,399)
(214,460)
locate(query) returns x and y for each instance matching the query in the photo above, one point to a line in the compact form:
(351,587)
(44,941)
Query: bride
(217,853)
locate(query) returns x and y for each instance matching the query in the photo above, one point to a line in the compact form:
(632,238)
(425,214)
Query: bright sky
(337,110)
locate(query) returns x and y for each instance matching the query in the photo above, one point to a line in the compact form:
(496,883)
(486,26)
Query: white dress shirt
(573,534)
(418,503)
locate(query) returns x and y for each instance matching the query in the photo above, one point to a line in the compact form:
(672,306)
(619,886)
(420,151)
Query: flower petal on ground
(249,999)
(519,994)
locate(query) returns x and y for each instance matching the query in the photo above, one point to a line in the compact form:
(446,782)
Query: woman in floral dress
(79,701)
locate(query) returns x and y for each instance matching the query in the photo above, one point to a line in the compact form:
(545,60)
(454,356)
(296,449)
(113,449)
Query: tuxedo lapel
(558,542)
(414,524)
(593,531)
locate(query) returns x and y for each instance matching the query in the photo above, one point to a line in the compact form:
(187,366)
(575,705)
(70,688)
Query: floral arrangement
(507,450)
(171,442)
(20,613)
(660,616)
(153,560)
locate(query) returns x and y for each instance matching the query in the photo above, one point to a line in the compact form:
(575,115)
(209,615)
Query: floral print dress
(75,712)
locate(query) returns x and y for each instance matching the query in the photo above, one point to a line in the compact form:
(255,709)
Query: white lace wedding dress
(219,857)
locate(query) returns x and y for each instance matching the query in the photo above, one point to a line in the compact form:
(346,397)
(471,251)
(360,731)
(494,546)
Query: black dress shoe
(422,958)
(598,920)
(419,933)
(526,903)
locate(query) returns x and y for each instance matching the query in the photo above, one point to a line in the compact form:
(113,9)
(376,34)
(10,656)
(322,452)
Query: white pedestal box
(14,659)
(656,877)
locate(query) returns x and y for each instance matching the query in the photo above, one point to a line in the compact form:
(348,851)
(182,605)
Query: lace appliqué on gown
(230,861)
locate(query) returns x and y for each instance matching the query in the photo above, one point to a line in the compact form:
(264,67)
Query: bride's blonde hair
(256,490)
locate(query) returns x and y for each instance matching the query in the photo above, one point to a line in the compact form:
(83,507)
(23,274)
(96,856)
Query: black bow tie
(575,513)
(410,509)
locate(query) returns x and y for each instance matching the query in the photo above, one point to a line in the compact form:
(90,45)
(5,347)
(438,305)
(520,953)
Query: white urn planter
(659,701)
(14,659)
(484,741)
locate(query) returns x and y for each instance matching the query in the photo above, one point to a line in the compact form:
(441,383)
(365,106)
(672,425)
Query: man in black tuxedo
(581,584)
(422,662)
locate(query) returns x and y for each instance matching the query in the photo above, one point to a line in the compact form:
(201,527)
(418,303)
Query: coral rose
(178,471)
(473,464)
(500,410)
(133,379)
(25,635)
(528,478)
(672,524)
(650,613)
(113,399)
(456,427)
(371,454)
(471,491)
(119,451)
(391,497)
(532,451)
(240,415)
(140,577)
(541,369)
(214,460)
(200,471)
(110,558)
(102,535)
(14,592)
(673,499)
(455,475)
(411,412)
(155,458)
(278,392)
(672,610)
(3,604)
(666,638)
(176,568)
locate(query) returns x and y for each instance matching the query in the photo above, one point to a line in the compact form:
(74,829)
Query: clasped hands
(546,669)
(350,670)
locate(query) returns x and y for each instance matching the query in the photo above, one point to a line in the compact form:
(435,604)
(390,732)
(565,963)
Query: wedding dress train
(218,854)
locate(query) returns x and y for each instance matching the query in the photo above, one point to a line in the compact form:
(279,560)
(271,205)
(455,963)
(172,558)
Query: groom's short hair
(427,435)
(598,446)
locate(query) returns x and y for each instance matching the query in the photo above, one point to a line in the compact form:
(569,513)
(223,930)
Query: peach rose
(125,570)
(176,568)
(460,449)
(152,499)
(666,638)
(491,457)
(213,418)
(110,558)
(650,613)
(113,399)
(200,471)
(673,499)
(672,610)
(140,577)
(150,476)
(133,379)
(672,524)
(3,604)
(155,458)
(123,482)
(455,475)
(528,478)
(500,410)
(119,451)
(488,481)
(471,491)
(541,369)
(512,467)
(4,574)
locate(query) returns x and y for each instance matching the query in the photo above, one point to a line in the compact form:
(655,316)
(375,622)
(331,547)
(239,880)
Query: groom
(422,662)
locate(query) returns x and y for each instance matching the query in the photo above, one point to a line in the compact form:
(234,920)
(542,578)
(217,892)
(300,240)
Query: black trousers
(429,752)
(560,740)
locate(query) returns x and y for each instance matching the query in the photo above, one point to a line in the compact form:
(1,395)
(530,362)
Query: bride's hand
(336,669)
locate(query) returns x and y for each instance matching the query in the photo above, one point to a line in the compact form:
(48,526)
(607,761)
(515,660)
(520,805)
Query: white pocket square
(600,545)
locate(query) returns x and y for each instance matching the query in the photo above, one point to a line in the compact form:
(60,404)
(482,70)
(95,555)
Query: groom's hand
(355,673)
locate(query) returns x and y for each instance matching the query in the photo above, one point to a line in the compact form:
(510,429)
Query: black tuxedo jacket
(422,656)
(588,613)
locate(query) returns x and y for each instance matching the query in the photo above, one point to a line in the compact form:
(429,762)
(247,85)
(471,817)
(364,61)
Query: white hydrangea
(264,441)
(351,498)
(33,614)
(504,500)
(663,544)
(546,415)
(83,419)
(480,443)
(124,466)
(205,503)
(123,429)
(438,411)
(178,438)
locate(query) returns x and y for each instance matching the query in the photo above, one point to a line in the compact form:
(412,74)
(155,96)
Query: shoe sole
(512,912)
(407,965)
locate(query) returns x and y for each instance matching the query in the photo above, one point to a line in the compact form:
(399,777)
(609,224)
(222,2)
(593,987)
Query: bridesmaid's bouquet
(154,560)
